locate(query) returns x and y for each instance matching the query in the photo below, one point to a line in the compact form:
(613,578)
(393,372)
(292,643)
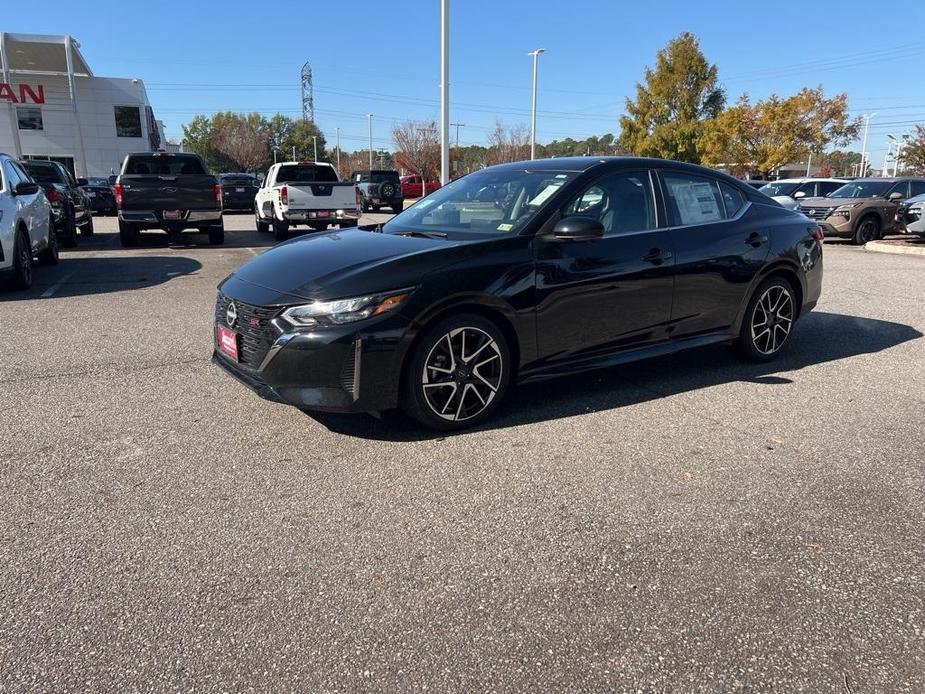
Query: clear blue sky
(380,57)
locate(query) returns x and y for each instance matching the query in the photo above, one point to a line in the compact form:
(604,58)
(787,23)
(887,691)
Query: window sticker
(544,194)
(696,202)
(505,227)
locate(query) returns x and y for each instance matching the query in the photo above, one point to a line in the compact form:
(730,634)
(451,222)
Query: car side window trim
(736,217)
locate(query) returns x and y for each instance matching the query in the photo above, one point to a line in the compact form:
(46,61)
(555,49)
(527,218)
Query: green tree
(668,116)
(839,163)
(774,131)
(298,133)
(913,155)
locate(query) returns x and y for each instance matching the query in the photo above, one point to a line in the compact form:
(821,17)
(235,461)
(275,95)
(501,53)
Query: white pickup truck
(305,192)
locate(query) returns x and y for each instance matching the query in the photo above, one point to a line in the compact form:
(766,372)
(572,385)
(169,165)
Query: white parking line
(48,293)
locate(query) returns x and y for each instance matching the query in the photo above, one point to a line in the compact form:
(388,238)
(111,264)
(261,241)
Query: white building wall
(96,100)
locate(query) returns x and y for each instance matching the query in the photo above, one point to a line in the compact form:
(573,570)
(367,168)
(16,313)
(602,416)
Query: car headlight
(845,210)
(342,311)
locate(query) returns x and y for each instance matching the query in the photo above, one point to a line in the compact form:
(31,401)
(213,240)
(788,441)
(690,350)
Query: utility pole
(862,171)
(315,143)
(536,56)
(899,153)
(337,130)
(458,126)
(370,117)
(809,163)
(293,152)
(444,92)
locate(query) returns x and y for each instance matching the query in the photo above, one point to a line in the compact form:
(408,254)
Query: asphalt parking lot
(689,523)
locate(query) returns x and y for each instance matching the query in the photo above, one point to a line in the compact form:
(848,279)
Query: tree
(913,154)
(839,163)
(418,148)
(508,144)
(245,140)
(774,131)
(679,96)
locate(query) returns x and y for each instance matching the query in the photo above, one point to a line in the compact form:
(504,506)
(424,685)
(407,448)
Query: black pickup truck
(167,191)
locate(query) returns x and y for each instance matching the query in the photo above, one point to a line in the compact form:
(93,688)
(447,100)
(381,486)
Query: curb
(884,247)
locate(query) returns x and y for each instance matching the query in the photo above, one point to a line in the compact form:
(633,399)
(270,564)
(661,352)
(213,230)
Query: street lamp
(370,117)
(862,170)
(536,55)
(315,143)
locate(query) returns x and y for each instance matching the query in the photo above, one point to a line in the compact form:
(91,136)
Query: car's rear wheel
(280,230)
(217,234)
(22,262)
(128,234)
(49,255)
(69,235)
(868,230)
(769,319)
(457,374)
(87,228)
(398,206)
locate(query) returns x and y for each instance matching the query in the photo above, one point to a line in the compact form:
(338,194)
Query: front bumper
(349,368)
(841,231)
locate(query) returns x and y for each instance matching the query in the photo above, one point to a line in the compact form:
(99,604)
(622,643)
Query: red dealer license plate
(172,214)
(228,342)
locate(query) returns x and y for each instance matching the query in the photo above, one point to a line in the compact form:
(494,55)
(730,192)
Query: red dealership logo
(22,93)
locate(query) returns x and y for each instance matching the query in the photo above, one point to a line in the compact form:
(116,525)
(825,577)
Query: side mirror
(26,188)
(895,196)
(577,228)
(799,194)
(82,182)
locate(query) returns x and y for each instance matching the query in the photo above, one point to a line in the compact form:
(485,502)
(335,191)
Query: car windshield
(44,173)
(164,165)
(306,173)
(861,189)
(491,201)
(778,188)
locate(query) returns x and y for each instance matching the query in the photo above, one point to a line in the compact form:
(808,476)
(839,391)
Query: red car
(411,186)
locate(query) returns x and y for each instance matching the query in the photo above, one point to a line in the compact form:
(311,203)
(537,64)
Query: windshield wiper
(421,234)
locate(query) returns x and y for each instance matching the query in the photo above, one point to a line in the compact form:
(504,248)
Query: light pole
(337,130)
(862,170)
(536,56)
(293,152)
(809,163)
(444,92)
(458,126)
(370,117)
(315,144)
(900,145)
(886,157)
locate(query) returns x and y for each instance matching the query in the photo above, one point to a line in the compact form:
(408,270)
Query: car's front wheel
(262,226)
(22,262)
(868,230)
(769,319)
(458,373)
(280,230)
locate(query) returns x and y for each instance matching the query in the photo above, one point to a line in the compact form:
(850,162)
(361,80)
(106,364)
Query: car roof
(808,179)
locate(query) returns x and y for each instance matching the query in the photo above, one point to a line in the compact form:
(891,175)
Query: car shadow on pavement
(819,338)
(101,275)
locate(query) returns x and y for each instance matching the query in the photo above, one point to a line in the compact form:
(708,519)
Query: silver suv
(27,227)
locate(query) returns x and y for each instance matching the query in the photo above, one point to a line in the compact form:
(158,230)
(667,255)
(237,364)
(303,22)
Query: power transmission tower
(308,94)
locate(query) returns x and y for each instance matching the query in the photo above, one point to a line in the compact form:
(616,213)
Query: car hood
(339,264)
(831,202)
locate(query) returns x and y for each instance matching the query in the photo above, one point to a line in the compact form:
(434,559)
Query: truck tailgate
(181,192)
(322,196)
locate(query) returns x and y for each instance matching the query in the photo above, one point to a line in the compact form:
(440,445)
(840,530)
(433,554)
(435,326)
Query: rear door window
(918,188)
(733,200)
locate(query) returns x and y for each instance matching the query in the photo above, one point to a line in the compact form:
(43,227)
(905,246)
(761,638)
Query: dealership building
(53,107)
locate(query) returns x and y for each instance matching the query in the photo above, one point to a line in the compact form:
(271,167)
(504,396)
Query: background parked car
(789,191)
(862,210)
(238,191)
(379,188)
(411,186)
(102,199)
(69,201)
(910,216)
(26,225)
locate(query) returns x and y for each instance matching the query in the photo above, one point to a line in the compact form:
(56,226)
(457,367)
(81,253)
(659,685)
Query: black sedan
(238,192)
(102,199)
(70,205)
(515,273)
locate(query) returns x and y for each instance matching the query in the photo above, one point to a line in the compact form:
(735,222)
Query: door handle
(755,239)
(657,256)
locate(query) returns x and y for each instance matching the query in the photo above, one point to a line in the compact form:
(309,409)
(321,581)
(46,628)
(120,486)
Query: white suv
(27,227)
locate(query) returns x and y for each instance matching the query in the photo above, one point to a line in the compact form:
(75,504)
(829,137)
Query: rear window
(306,173)
(383,176)
(160,165)
(238,180)
(44,173)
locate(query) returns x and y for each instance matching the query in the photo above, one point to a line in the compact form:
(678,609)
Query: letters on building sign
(22,93)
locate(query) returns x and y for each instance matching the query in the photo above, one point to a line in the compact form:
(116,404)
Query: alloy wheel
(772,319)
(462,373)
(25,263)
(868,231)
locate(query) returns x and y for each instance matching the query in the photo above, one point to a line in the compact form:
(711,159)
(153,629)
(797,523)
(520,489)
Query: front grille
(251,325)
(817,212)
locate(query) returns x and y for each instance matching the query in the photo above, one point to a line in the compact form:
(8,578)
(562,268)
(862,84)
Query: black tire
(262,226)
(868,229)
(87,228)
(22,262)
(128,234)
(482,392)
(769,320)
(49,254)
(366,206)
(217,234)
(398,206)
(280,230)
(69,233)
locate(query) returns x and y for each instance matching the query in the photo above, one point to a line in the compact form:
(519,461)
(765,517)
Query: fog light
(339,213)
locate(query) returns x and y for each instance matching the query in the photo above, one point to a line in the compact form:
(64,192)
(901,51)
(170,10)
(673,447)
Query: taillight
(217,191)
(117,191)
(359,193)
(818,233)
(284,195)
(53,195)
